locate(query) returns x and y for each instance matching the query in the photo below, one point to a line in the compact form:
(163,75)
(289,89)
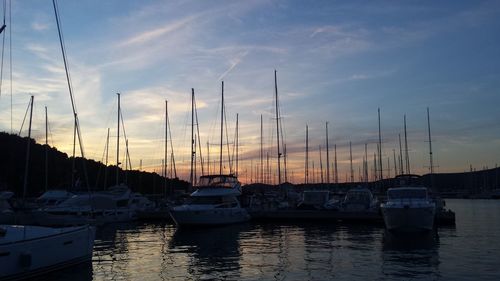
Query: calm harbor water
(303,251)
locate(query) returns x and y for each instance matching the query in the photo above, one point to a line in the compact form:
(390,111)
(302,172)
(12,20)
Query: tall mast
(165,156)
(221,129)
(277,128)
(327,157)
(379,147)
(46,151)
(26,167)
(401,168)
(106,163)
(73,106)
(407,157)
(261,152)
(395,165)
(192,139)
(208,158)
(335,163)
(307,156)
(321,165)
(366,164)
(237,144)
(118,143)
(350,157)
(431,164)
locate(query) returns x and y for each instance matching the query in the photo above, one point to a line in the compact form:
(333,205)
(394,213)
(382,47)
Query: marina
(173,187)
(296,251)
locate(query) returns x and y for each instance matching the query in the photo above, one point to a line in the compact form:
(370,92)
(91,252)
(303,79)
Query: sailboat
(215,202)
(23,247)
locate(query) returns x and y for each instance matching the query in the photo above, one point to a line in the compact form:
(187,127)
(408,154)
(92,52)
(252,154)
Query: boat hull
(188,217)
(30,256)
(409,219)
(72,218)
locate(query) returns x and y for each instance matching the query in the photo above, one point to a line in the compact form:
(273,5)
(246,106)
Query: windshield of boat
(407,194)
(220,181)
(358,196)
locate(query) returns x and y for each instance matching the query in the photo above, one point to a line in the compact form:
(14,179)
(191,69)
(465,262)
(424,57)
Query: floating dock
(442,218)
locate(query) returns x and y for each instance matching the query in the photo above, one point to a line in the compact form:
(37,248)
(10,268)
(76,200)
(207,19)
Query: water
(305,251)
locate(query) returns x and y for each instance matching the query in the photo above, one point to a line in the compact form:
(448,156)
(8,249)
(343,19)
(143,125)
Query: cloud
(150,35)
(38,26)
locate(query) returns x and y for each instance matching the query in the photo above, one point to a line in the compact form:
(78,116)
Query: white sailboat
(23,249)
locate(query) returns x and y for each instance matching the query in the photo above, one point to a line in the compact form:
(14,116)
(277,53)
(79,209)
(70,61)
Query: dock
(442,218)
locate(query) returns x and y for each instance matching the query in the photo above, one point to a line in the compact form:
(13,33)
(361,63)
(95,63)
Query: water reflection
(212,253)
(414,256)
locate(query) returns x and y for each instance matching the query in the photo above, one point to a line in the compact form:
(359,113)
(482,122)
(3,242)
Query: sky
(336,62)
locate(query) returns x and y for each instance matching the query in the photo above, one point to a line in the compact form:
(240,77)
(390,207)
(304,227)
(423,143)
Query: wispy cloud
(150,35)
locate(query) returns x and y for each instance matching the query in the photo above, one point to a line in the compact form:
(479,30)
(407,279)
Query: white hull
(27,251)
(410,219)
(70,219)
(207,217)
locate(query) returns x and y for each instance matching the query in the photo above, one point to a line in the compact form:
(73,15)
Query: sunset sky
(336,62)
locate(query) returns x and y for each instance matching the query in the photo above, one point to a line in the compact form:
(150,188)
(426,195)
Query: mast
(26,167)
(277,128)
(192,139)
(221,129)
(366,163)
(46,150)
(379,147)
(431,164)
(261,152)
(321,165)
(401,168)
(307,156)
(118,143)
(165,156)
(106,163)
(395,165)
(327,157)
(335,163)
(407,157)
(350,157)
(237,144)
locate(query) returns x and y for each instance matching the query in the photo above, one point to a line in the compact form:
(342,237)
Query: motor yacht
(214,202)
(408,209)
